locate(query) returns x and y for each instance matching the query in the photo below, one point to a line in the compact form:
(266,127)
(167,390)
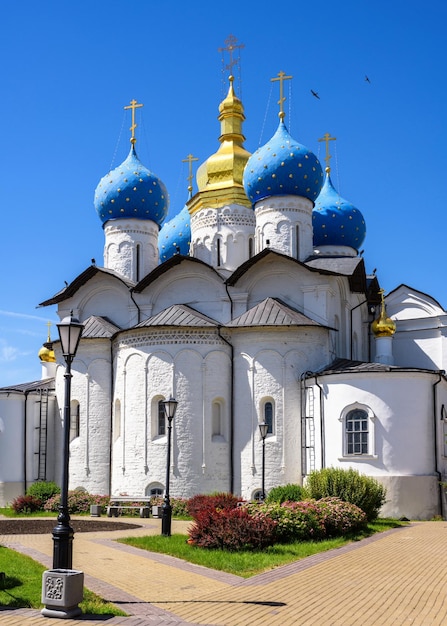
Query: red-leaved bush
(219,501)
(26,504)
(231,529)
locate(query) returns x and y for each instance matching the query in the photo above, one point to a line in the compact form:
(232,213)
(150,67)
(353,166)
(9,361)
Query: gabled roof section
(351,267)
(403,287)
(247,265)
(177,259)
(272,312)
(178,315)
(81,280)
(96,327)
(37,385)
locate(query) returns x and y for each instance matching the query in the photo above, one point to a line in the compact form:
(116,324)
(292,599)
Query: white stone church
(251,305)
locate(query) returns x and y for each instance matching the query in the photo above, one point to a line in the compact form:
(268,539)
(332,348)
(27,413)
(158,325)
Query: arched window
(257,495)
(74,419)
(250,247)
(117,421)
(161,419)
(268,415)
(218,252)
(356,432)
(217,420)
(138,262)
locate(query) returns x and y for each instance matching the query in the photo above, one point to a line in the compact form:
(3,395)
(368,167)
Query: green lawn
(22,586)
(247,563)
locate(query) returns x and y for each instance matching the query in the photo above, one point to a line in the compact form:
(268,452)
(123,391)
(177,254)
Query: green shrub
(286,493)
(296,521)
(43,490)
(350,486)
(340,517)
(79,501)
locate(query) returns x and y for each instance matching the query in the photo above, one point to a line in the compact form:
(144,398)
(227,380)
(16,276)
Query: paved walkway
(393,579)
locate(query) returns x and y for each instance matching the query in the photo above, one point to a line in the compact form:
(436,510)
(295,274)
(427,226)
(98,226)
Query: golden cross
(281,77)
(327,138)
(49,324)
(189,159)
(133,105)
(230,45)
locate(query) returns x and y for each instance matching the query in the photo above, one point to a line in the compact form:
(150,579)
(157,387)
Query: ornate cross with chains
(133,105)
(281,77)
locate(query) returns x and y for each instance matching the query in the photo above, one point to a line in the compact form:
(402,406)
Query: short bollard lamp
(170,407)
(70,331)
(263,430)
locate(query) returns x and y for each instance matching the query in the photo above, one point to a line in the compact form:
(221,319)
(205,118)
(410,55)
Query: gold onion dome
(220,176)
(383,326)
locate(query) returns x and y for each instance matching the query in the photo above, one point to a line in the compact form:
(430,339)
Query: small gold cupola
(46,353)
(219,178)
(383,326)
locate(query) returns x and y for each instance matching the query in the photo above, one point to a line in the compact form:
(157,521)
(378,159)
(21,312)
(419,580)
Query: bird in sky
(367,79)
(314,93)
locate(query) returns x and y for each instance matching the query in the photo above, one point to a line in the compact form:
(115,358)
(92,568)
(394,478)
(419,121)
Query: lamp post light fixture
(263,430)
(70,331)
(170,407)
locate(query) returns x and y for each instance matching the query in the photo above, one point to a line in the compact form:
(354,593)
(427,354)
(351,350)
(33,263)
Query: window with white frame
(358,422)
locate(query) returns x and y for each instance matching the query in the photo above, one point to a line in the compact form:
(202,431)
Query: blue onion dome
(336,222)
(282,167)
(131,190)
(175,236)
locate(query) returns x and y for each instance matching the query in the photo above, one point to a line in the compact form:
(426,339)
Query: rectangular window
(357,432)
(161,419)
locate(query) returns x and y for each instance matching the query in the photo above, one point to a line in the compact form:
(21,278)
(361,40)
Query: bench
(117,505)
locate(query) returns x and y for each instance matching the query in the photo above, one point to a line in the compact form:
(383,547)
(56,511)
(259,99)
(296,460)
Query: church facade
(252,305)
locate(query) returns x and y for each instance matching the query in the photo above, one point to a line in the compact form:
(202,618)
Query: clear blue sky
(69,68)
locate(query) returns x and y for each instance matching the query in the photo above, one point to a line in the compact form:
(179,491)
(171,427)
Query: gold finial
(327,138)
(383,326)
(230,46)
(189,159)
(281,77)
(49,324)
(133,105)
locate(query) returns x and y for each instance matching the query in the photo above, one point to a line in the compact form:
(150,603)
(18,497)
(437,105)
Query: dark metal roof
(342,366)
(46,383)
(352,267)
(178,315)
(80,280)
(96,327)
(272,312)
(177,259)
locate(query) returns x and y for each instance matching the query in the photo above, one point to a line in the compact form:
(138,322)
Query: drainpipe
(322,425)
(25,448)
(231,395)
(441,373)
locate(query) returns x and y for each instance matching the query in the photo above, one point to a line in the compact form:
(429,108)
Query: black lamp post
(70,331)
(170,407)
(263,430)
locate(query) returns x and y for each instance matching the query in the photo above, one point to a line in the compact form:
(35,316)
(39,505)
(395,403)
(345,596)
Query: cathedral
(251,306)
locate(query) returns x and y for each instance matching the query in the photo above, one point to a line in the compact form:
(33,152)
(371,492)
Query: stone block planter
(95,510)
(62,591)
(156,510)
